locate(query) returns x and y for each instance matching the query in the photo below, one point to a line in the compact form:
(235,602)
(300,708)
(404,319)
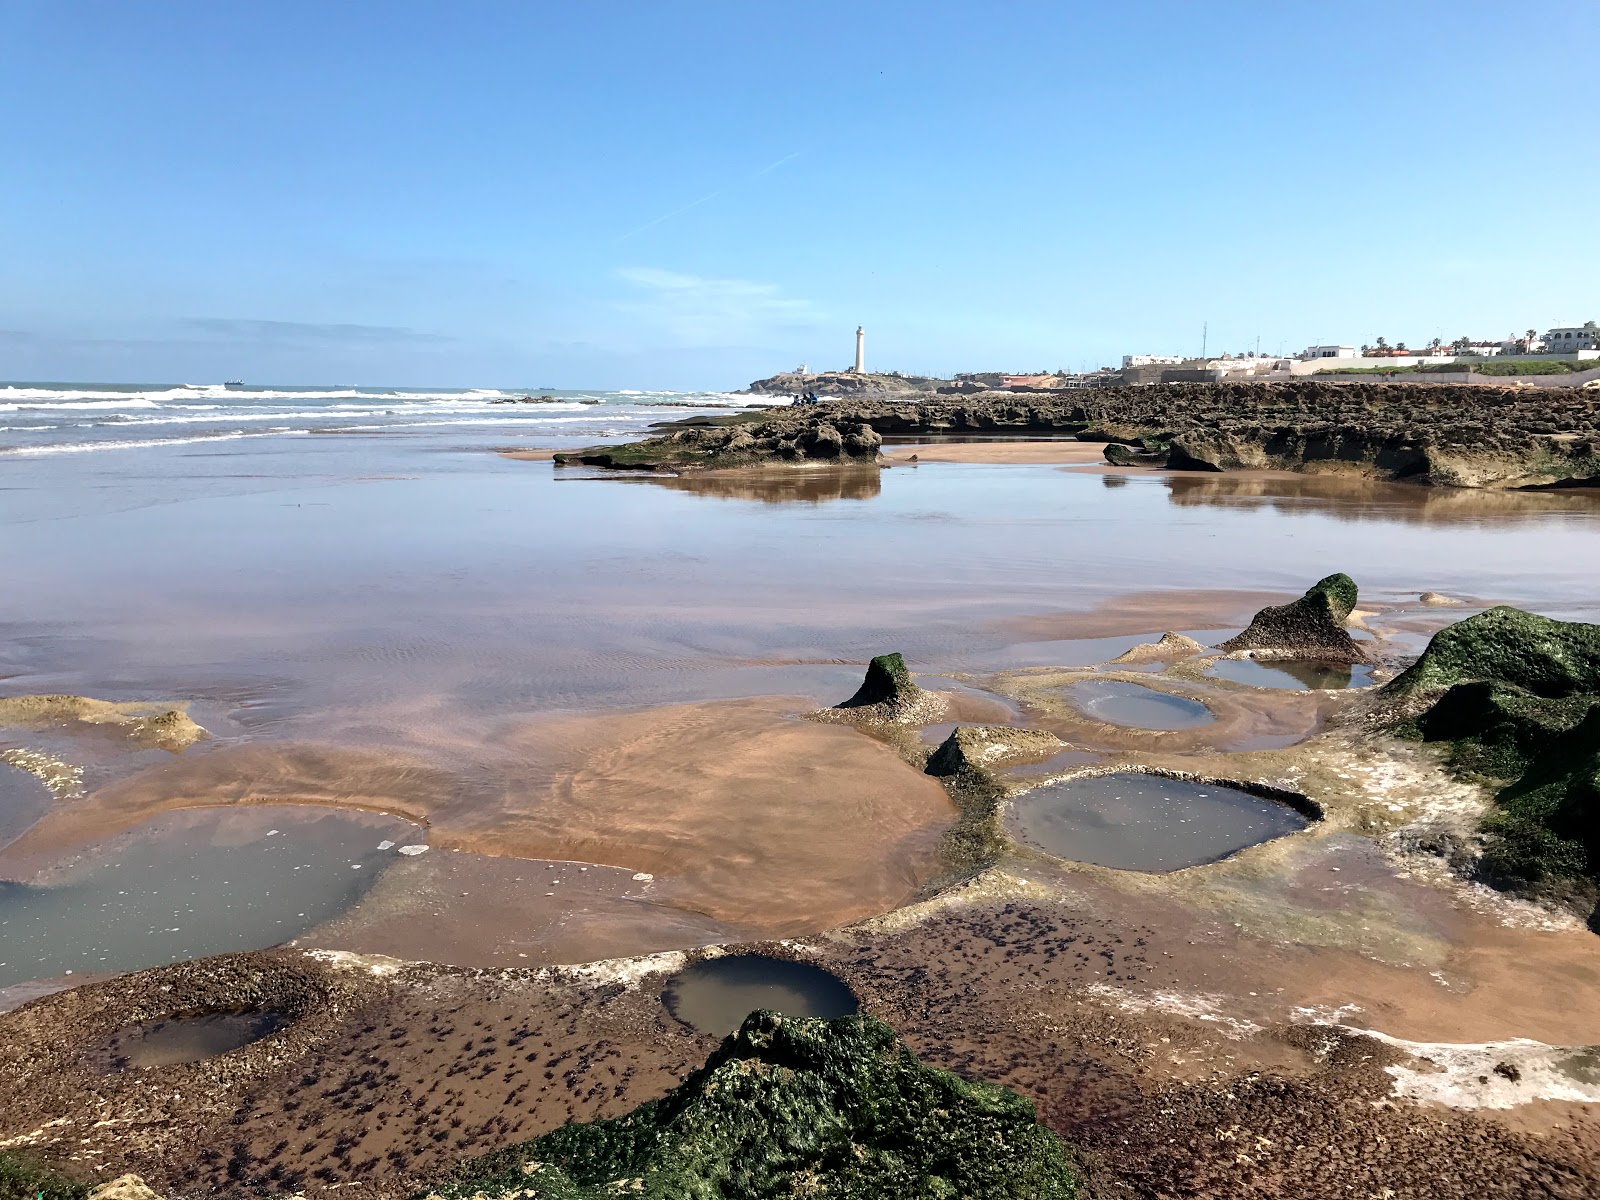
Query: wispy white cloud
(667,216)
(699,311)
(301,331)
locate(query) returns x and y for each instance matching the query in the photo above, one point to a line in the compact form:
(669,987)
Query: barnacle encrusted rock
(795,1106)
(1312,627)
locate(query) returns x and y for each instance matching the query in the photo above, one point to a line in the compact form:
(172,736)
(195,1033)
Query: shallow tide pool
(1139,822)
(191,884)
(1136,706)
(715,995)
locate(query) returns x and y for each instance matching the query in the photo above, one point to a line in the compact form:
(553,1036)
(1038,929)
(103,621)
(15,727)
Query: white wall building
(1311,352)
(1572,337)
(1151,360)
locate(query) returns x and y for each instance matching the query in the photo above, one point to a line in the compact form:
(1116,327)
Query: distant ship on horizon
(233,383)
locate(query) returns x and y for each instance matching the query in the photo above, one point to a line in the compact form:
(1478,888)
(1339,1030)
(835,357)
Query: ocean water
(60,418)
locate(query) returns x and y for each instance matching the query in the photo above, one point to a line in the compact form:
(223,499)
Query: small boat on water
(233,383)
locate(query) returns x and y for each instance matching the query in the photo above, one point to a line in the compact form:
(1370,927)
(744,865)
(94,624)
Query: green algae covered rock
(887,682)
(1517,698)
(887,696)
(795,1107)
(1311,627)
(1506,645)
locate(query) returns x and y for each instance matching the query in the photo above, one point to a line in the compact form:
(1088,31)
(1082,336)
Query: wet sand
(742,812)
(529,455)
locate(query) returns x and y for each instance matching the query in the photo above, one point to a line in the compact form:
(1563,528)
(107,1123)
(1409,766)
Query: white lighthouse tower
(861,351)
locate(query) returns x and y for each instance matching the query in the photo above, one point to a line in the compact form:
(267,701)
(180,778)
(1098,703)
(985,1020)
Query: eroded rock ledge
(1438,435)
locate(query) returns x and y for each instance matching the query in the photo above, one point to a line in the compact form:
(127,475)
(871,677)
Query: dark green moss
(792,1107)
(887,682)
(24,1180)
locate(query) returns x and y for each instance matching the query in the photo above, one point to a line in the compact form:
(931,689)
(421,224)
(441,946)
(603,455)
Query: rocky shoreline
(1196,1032)
(1473,437)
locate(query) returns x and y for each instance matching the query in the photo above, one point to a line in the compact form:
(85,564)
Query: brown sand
(472,910)
(528,455)
(742,812)
(1145,612)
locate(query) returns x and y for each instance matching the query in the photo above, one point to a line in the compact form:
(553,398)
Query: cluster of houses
(1560,341)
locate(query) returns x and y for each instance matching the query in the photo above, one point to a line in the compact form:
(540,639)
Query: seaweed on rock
(21,1179)
(887,696)
(792,1107)
(1517,697)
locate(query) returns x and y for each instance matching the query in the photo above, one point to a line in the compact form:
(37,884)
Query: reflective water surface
(184,1039)
(1140,822)
(1139,707)
(191,884)
(716,994)
(1292,676)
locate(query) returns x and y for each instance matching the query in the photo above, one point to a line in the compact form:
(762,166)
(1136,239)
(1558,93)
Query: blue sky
(673,194)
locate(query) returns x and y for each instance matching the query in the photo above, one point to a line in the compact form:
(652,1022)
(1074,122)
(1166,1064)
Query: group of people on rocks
(805,398)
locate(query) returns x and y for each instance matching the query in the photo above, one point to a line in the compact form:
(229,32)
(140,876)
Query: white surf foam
(112,444)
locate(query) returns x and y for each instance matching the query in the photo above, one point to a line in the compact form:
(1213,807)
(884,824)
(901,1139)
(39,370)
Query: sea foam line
(85,447)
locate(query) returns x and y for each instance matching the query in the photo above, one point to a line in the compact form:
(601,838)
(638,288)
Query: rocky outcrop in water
(1451,436)
(887,696)
(741,444)
(970,747)
(1170,646)
(1312,627)
(1517,697)
(845,383)
(795,1107)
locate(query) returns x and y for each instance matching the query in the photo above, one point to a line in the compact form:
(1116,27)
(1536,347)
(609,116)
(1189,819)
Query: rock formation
(792,1106)
(155,725)
(1171,645)
(1119,455)
(1312,627)
(888,696)
(973,746)
(124,1187)
(1452,436)
(1517,696)
(845,383)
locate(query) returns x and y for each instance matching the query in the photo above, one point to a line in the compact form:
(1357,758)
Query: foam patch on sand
(1493,1074)
(629,972)
(380,965)
(64,780)
(1196,1006)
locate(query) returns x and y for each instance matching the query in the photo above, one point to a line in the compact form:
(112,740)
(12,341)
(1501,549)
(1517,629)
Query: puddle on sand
(1136,706)
(715,995)
(183,1039)
(1292,676)
(190,884)
(1138,822)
